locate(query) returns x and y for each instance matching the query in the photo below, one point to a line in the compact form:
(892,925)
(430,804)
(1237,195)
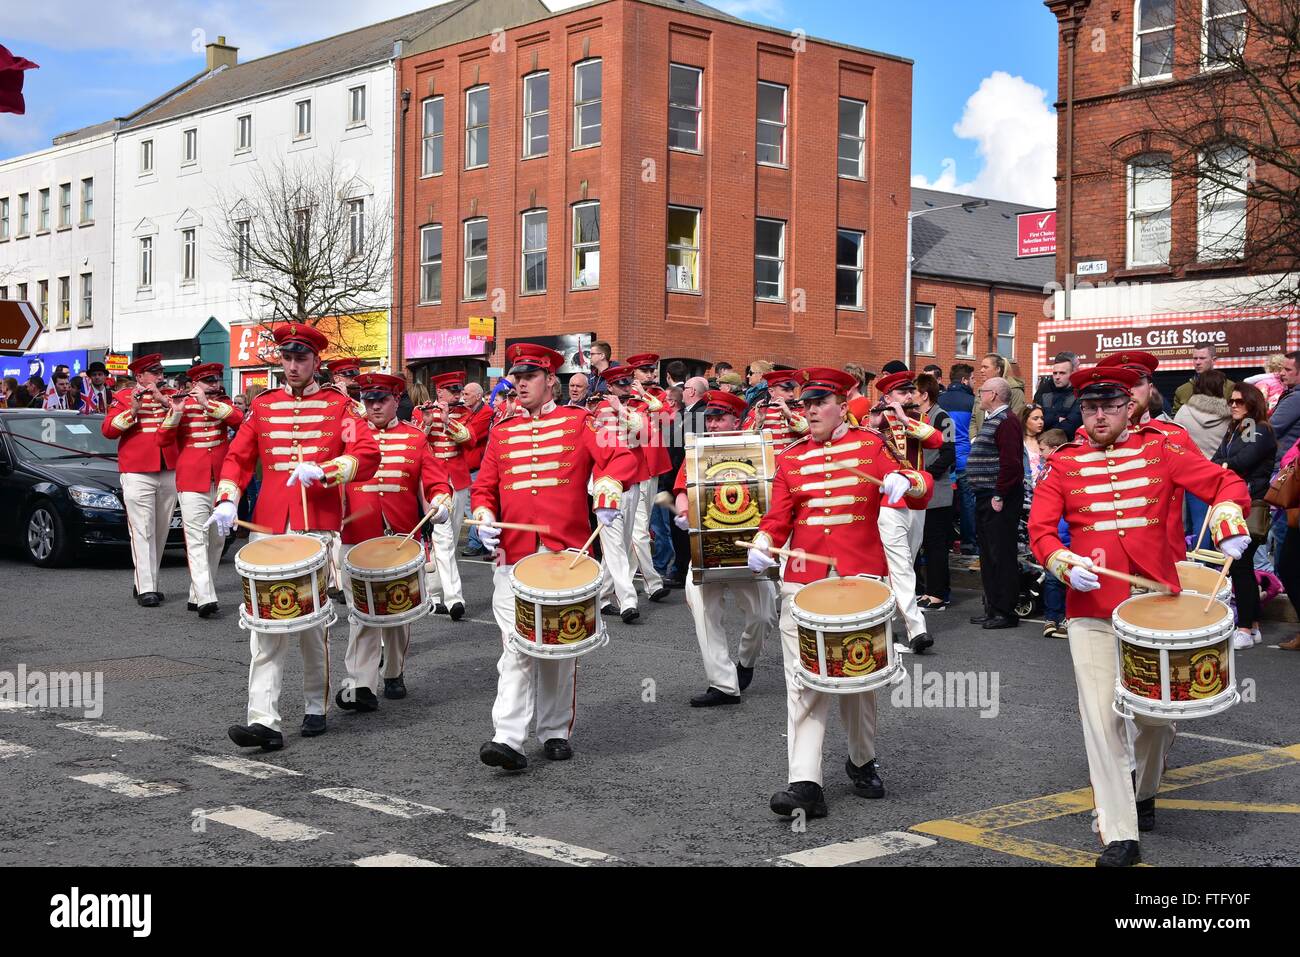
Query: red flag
(11,81)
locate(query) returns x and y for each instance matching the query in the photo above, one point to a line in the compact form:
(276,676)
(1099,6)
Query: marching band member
(646,370)
(451,441)
(821,508)
(148,479)
(303,435)
(756,600)
(535,470)
(390,503)
(621,416)
(778,413)
(1112,489)
(198,425)
(344,373)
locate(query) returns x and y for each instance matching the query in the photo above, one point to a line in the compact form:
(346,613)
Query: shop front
(432,352)
(254,359)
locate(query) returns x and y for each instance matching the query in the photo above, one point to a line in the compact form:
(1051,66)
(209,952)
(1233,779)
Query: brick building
(654,173)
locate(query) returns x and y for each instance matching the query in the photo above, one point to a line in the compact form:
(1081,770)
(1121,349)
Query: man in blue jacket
(958,400)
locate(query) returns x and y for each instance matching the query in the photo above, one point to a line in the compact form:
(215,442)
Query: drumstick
(863,475)
(540,529)
(303,488)
(356,515)
(411,534)
(582,552)
(1200,536)
(1138,580)
(263,529)
(1217,585)
(796,555)
(666,500)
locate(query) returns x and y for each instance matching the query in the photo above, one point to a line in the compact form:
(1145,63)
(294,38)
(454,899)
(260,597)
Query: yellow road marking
(1177,804)
(1033,850)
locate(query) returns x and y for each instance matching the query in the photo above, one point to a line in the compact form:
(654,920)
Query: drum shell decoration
(386,597)
(850,653)
(288,596)
(1198,578)
(1169,672)
(728,488)
(557,622)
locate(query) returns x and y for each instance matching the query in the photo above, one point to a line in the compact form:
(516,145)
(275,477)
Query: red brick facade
(947,296)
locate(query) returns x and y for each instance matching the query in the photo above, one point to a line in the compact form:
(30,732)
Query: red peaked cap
(719,402)
(887,383)
(823,380)
(532,357)
(375,384)
(301,336)
(340,366)
(1105,382)
(205,370)
(643,359)
(618,373)
(447,380)
(145,363)
(1143,363)
(782,377)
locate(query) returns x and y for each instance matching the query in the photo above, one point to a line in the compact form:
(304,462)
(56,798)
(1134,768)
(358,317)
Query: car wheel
(44,537)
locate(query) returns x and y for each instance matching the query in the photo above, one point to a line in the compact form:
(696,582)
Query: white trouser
(642,552)
(337,575)
(444,582)
(528,686)
(1092,646)
(150,499)
(202,545)
(266,670)
(901,533)
(616,546)
(806,711)
(754,600)
(362,658)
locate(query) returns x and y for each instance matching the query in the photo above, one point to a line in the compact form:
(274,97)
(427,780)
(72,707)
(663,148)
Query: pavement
(994,782)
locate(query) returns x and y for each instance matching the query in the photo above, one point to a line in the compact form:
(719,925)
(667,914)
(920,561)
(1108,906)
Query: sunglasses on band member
(156,370)
(350,373)
(645,368)
(211,379)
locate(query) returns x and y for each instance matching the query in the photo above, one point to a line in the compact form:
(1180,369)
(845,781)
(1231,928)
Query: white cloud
(1015,129)
(765,10)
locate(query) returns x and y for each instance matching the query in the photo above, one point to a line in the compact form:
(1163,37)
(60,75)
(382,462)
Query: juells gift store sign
(1239,340)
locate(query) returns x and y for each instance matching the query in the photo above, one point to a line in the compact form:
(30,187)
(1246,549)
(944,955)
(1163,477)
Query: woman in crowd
(10,397)
(937,541)
(1031,423)
(1206,418)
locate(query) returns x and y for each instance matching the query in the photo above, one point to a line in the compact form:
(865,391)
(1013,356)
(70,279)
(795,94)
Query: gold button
(826,510)
(534,491)
(826,531)
(1121,533)
(1119,514)
(1117,494)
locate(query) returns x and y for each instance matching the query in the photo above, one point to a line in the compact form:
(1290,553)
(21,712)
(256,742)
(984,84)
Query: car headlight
(88,497)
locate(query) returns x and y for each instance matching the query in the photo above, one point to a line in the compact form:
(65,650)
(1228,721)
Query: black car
(60,494)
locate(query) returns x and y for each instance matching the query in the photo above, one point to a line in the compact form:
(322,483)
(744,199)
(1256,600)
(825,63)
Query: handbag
(1284,490)
(1259,519)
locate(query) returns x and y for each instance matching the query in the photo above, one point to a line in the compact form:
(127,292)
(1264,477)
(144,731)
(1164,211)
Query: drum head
(841,596)
(1170,612)
(387,552)
(550,571)
(1193,576)
(281,550)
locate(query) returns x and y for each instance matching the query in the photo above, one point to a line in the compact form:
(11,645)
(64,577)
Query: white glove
(223,516)
(606,516)
(1083,579)
(760,561)
(682,522)
(1235,546)
(306,473)
(489,535)
(895,487)
(440,516)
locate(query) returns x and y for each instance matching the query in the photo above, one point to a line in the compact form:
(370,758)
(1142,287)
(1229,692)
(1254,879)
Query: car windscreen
(48,437)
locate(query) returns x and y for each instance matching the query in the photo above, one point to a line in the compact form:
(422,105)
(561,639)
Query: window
(4,218)
(586,245)
(88,200)
(965,326)
(586,104)
(145,278)
(432,164)
(146,157)
(431,264)
(769,259)
(1007,335)
(189,254)
(534,247)
(923,329)
(302,119)
(302,231)
(43,300)
(476,252)
(65,302)
(243,133)
(244,240)
(357,106)
(1225,31)
(22,292)
(65,205)
(4,292)
(1150,179)
(537,114)
(771,124)
(853,138)
(1221,205)
(684,83)
(1153,42)
(356,227)
(683,249)
(87,300)
(43,216)
(476,127)
(848,269)
(24,213)
(189,147)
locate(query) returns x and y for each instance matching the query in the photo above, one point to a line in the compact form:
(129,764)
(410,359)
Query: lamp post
(907,292)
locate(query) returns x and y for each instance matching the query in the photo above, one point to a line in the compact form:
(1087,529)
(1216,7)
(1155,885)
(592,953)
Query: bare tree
(308,245)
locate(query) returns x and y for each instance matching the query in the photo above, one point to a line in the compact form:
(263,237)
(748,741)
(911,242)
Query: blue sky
(983,84)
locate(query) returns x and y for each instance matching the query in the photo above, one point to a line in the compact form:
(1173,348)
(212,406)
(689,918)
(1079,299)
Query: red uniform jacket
(906,441)
(823,509)
(768,415)
(626,431)
(137,446)
(451,440)
(202,438)
(323,423)
(535,471)
(1116,502)
(478,422)
(391,500)
(653,441)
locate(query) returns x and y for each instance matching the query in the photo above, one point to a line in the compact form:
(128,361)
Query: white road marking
(262,824)
(128,787)
(1234,743)
(12,749)
(852,852)
(250,769)
(97,730)
(395,860)
(374,801)
(9,704)
(545,847)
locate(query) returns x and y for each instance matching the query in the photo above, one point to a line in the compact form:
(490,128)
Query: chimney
(221,55)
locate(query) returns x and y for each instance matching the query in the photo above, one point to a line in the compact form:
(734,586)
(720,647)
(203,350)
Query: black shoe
(150,599)
(256,736)
(313,725)
(356,699)
(1120,854)
(921,642)
(394,688)
(440,609)
(497,755)
(629,615)
(933,605)
(609,609)
(457,611)
(471,551)
(191,606)
(866,782)
(675,582)
(337,595)
(208,609)
(743,675)
(801,795)
(998,621)
(979,619)
(1147,814)
(714,697)
(660,595)
(558,749)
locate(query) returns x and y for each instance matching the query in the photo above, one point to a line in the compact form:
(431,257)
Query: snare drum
(285,578)
(728,485)
(386,575)
(1175,660)
(846,643)
(1198,578)
(557,612)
